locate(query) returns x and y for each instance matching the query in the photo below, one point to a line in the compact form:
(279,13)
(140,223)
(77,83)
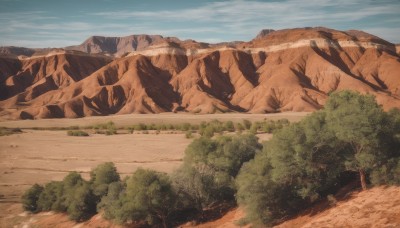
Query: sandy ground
(166,118)
(42,156)
(377,207)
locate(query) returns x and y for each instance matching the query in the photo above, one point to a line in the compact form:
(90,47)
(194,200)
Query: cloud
(253,11)
(244,17)
(208,21)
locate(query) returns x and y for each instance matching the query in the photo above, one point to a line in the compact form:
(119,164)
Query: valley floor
(162,118)
(40,156)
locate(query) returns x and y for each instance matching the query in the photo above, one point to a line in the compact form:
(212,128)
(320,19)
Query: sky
(60,23)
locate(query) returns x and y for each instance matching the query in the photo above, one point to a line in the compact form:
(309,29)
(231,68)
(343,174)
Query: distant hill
(283,70)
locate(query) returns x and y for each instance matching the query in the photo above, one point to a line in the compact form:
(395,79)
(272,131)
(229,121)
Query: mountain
(116,45)
(283,70)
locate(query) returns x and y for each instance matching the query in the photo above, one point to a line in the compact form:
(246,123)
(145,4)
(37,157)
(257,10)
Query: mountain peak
(264,33)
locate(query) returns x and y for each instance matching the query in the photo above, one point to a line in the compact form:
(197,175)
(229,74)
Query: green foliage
(304,161)
(9,131)
(77,133)
(189,135)
(263,199)
(108,128)
(149,197)
(30,198)
(363,128)
(247,124)
(388,173)
(52,197)
(72,195)
(101,176)
(111,203)
(210,166)
(239,127)
(229,126)
(81,202)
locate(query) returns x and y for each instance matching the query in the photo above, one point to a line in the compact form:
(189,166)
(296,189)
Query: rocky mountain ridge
(284,70)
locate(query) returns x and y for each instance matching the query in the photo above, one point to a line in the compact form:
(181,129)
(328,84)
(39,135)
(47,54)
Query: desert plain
(40,156)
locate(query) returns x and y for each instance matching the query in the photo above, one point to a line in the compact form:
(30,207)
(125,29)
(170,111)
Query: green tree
(149,197)
(101,176)
(81,202)
(210,166)
(305,160)
(52,197)
(111,203)
(363,127)
(31,197)
(264,200)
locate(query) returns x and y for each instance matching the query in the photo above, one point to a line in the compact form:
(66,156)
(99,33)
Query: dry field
(43,156)
(162,118)
(40,156)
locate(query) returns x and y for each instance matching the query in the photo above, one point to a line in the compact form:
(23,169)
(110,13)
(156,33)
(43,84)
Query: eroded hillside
(286,70)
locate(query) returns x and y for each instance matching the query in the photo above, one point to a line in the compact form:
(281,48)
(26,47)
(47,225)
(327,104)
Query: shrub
(52,197)
(31,197)
(77,133)
(9,131)
(100,178)
(188,135)
(110,203)
(246,124)
(210,166)
(149,197)
(229,126)
(81,202)
(239,127)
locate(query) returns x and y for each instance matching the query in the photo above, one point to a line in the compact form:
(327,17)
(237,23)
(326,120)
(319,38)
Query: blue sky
(58,23)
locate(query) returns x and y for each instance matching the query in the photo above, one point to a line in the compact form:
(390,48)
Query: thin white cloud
(208,22)
(242,17)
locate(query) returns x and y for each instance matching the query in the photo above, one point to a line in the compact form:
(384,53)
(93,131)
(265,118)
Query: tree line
(302,163)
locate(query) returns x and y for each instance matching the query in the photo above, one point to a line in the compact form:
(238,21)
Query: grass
(204,128)
(77,133)
(9,131)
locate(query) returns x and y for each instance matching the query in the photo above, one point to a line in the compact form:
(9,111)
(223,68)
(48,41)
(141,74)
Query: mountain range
(277,71)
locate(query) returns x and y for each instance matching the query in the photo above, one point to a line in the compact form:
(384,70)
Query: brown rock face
(30,78)
(287,70)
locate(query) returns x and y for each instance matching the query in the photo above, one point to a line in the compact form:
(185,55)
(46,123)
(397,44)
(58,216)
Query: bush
(239,127)
(229,126)
(52,197)
(100,178)
(77,133)
(81,202)
(188,135)
(110,203)
(246,124)
(149,197)
(31,197)
(210,166)
(9,131)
